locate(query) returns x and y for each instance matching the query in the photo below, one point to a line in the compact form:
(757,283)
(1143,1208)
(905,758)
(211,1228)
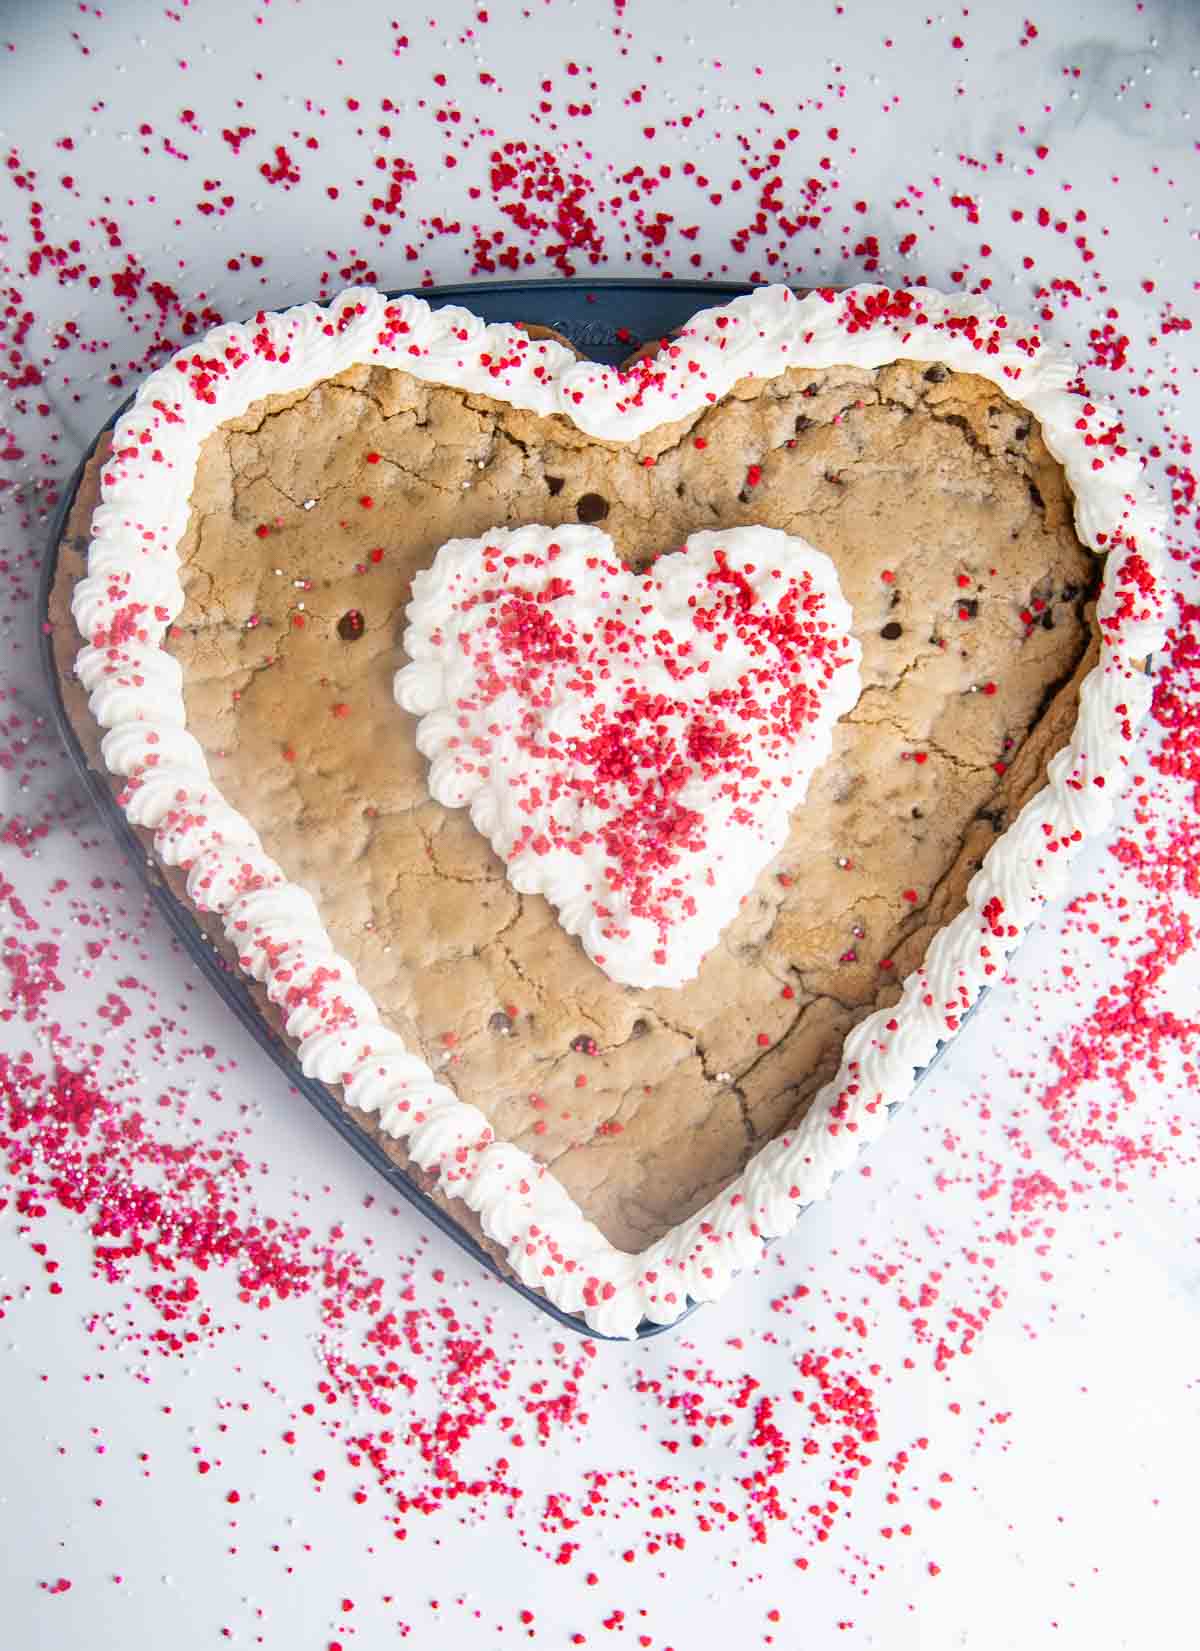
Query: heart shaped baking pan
(616,1151)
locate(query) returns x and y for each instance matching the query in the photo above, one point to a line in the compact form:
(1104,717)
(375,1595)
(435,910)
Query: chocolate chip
(803,424)
(351,627)
(554,483)
(937,374)
(500,1022)
(892,631)
(1070,592)
(591,507)
(1047,620)
(810,390)
(970,607)
(584,1044)
(639,1028)
(1038,502)
(963,424)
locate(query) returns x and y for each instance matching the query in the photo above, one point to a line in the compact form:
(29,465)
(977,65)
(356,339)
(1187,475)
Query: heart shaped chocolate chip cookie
(279,495)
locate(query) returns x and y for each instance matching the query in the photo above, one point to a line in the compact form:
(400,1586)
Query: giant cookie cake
(625,1128)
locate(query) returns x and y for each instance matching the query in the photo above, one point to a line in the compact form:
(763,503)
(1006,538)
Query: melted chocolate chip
(554,483)
(937,374)
(500,1022)
(591,507)
(892,631)
(639,1028)
(963,424)
(1038,502)
(351,627)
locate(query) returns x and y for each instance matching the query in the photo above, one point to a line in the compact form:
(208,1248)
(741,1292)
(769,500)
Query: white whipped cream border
(136,694)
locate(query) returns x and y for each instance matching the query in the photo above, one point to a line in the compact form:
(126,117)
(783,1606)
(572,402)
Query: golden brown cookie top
(950,527)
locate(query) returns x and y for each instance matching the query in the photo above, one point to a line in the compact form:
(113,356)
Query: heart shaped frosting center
(632,744)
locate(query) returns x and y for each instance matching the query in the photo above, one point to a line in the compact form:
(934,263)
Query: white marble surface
(1070,1522)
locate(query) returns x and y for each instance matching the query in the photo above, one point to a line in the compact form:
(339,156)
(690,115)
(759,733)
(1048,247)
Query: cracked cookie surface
(950,527)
